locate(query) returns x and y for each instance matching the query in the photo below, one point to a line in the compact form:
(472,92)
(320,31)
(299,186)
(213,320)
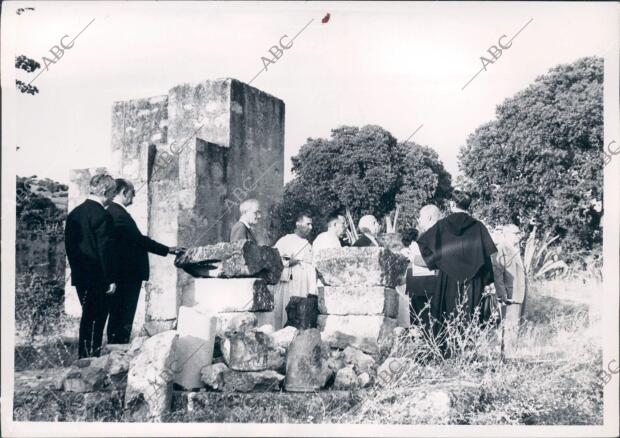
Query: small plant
(539,258)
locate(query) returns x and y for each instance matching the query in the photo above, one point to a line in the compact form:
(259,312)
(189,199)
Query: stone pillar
(138,126)
(79,180)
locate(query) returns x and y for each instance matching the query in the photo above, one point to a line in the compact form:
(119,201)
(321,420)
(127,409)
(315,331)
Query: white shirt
(412,252)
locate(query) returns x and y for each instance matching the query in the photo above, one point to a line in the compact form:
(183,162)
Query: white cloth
(325,240)
(297,280)
(412,252)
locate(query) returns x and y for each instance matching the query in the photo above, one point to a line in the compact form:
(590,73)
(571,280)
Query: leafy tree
(366,170)
(541,162)
(23,62)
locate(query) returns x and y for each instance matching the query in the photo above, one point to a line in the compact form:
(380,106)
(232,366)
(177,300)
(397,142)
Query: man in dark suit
(90,246)
(250,214)
(369,227)
(132,253)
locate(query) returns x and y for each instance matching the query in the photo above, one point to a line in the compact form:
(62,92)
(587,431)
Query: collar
(246,224)
(94,198)
(372,239)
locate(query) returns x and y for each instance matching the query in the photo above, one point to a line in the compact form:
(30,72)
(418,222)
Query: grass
(551,379)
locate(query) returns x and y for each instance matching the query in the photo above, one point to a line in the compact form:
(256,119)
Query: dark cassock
(460,247)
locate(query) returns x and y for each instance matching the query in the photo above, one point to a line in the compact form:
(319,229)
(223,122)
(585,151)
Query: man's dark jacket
(91,246)
(133,246)
(239,231)
(364,241)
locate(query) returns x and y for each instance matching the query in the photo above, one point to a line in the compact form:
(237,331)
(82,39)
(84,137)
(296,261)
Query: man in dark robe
(460,247)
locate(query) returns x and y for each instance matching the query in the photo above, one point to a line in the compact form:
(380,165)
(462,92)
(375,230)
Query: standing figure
(510,282)
(460,247)
(331,237)
(299,276)
(133,248)
(369,227)
(422,282)
(250,215)
(92,254)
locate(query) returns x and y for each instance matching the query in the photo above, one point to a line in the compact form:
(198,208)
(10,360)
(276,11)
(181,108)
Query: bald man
(421,281)
(369,227)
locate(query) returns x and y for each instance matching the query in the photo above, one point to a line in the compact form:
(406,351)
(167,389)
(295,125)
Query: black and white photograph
(271,218)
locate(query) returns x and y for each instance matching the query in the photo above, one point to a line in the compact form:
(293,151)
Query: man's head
(124,192)
(511,235)
(369,225)
(303,224)
(336,224)
(250,211)
(103,187)
(429,215)
(460,200)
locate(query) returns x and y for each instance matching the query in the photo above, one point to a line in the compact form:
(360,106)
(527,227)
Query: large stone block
(369,333)
(350,266)
(358,300)
(232,260)
(222,378)
(246,351)
(196,331)
(232,295)
(149,383)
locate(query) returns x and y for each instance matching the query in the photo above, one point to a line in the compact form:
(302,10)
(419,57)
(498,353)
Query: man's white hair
(100,184)
(366,222)
(247,205)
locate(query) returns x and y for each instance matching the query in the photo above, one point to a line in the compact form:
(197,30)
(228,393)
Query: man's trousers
(95,305)
(123,306)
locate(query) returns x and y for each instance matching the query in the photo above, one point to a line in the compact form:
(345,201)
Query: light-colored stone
(307,367)
(213,375)
(391,370)
(362,362)
(221,378)
(346,378)
(358,300)
(234,322)
(266,328)
(353,266)
(364,380)
(196,331)
(369,333)
(87,379)
(149,383)
(246,351)
(232,295)
(283,337)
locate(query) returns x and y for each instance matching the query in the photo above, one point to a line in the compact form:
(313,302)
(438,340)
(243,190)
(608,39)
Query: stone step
(232,295)
(358,300)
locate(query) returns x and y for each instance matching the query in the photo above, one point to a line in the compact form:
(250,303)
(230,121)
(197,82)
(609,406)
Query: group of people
(453,260)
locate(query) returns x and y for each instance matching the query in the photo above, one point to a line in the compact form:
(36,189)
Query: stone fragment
(232,294)
(306,362)
(358,300)
(246,351)
(335,360)
(238,381)
(302,312)
(155,326)
(391,370)
(369,333)
(283,337)
(362,362)
(232,260)
(221,378)
(364,380)
(234,322)
(346,378)
(276,359)
(85,379)
(352,266)
(213,375)
(266,328)
(149,383)
(196,331)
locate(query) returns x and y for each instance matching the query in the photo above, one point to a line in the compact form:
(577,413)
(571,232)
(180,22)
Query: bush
(39,304)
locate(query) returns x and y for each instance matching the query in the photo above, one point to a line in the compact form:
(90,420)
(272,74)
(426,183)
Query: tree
(541,162)
(23,62)
(366,170)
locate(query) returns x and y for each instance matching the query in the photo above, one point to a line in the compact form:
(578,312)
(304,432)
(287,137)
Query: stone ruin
(191,153)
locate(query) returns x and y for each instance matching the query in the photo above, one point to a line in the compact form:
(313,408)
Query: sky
(398,65)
